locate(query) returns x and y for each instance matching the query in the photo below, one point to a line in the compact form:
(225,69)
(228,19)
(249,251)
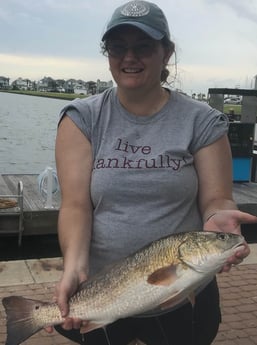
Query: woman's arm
(74,166)
(214,168)
(219,211)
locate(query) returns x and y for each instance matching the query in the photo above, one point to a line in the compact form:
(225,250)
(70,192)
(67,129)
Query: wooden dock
(37,220)
(245,196)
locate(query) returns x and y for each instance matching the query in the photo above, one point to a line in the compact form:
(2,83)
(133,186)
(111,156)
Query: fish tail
(20,321)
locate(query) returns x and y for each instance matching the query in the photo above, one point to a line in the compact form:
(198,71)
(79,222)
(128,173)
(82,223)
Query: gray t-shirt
(144,184)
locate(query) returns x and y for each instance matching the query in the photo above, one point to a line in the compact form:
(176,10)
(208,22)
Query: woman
(136,163)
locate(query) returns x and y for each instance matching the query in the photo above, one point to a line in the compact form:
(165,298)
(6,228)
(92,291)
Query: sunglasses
(140,50)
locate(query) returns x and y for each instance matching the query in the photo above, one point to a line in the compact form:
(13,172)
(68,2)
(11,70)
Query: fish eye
(222,236)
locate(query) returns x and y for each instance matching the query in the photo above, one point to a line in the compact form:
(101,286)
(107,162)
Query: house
(47,84)
(4,83)
(60,83)
(80,87)
(91,87)
(69,85)
(103,85)
(22,84)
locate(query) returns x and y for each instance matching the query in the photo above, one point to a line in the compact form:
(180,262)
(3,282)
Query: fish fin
(172,301)
(90,326)
(191,299)
(163,276)
(20,322)
(176,299)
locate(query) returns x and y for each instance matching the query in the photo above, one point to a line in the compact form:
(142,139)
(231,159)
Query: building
(103,85)
(48,84)
(4,83)
(22,84)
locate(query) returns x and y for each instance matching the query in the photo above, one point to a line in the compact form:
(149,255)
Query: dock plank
(36,218)
(245,196)
(32,196)
(33,201)
(4,189)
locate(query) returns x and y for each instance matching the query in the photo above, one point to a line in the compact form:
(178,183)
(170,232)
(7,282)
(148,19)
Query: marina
(30,213)
(38,218)
(31,259)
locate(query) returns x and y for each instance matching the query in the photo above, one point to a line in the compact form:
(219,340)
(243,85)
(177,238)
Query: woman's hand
(230,221)
(65,288)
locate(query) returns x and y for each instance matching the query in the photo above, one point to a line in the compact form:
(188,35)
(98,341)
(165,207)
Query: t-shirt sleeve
(208,128)
(80,114)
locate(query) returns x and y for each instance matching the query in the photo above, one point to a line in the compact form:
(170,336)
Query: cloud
(244,9)
(191,77)
(215,39)
(5,17)
(50,27)
(37,67)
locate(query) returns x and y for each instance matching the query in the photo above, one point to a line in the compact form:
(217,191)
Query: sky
(216,40)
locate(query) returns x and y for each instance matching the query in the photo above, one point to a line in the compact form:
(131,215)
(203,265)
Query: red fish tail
(20,322)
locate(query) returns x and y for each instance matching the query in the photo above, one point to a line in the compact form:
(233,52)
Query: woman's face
(136,60)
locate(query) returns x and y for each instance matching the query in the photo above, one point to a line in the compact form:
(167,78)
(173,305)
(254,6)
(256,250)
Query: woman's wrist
(210,216)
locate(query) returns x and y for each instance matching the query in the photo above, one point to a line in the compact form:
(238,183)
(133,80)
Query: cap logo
(135,9)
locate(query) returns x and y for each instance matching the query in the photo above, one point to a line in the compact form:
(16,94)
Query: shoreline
(70,96)
(55,95)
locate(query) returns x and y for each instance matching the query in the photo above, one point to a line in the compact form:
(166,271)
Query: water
(27,133)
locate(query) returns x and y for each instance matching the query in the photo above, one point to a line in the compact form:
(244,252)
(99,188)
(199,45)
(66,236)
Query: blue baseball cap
(144,15)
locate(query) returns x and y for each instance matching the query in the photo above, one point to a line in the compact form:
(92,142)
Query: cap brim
(156,35)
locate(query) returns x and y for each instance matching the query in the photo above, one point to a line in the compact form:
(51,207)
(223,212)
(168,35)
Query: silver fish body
(155,278)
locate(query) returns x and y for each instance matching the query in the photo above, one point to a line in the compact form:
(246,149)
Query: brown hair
(169,46)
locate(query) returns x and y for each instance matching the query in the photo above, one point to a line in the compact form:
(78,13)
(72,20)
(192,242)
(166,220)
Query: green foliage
(235,107)
(59,95)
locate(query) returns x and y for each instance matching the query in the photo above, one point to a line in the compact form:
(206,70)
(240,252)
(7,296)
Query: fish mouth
(239,246)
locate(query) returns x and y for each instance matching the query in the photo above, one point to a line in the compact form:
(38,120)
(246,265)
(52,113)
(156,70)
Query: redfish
(154,279)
